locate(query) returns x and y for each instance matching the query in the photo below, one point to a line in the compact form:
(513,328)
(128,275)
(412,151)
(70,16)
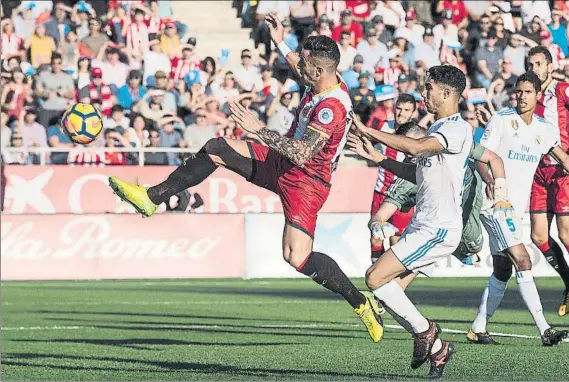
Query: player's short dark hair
(407,98)
(532,78)
(411,127)
(324,50)
(543,50)
(448,76)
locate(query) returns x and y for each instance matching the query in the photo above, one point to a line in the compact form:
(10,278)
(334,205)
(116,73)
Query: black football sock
(326,272)
(562,266)
(195,169)
(554,256)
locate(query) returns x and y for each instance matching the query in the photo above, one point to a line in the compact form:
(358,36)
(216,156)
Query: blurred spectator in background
(96,40)
(14,93)
(352,75)
(302,16)
(516,53)
(227,90)
(56,90)
(478,131)
(117,120)
(155,157)
(487,60)
(170,137)
(115,139)
(98,90)
(170,42)
(363,98)
(58,138)
(280,115)
(347,52)
(197,134)
(114,71)
(427,53)
(246,74)
(41,46)
(347,24)
(558,29)
(155,60)
(12,43)
(132,91)
(373,51)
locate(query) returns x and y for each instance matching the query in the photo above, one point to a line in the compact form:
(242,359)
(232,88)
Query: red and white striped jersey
(155,24)
(385,177)
(390,75)
(554,108)
(11,44)
(330,113)
(137,37)
(181,67)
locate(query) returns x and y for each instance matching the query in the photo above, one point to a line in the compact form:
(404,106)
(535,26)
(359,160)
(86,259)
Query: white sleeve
(493,133)
(452,136)
(551,139)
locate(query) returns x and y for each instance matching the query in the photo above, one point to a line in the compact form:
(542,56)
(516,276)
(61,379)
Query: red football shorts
(550,191)
(302,196)
(400,220)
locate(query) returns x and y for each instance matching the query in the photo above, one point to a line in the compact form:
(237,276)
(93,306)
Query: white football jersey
(440,176)
(521,147)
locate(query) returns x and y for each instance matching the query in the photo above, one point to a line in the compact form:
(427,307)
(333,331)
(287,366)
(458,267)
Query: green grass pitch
(254,330)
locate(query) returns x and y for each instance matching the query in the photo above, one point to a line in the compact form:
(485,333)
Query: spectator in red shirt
(347,24)
(459,12)
(360,10)
(189,61)
(114,139)
(97,90)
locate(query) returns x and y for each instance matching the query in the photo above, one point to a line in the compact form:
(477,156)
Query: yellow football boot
(133,194)
(370,315)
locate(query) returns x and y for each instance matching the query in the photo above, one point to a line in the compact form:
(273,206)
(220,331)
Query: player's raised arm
(277,35)
(297,150)
(407,145)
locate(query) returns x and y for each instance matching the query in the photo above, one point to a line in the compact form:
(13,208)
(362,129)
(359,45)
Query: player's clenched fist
(382,230)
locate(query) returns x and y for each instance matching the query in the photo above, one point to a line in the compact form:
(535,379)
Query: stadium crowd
(142,68)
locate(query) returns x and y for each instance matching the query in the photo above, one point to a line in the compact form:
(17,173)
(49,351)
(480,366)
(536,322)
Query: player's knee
(216,148)
(372,278)
(502,268)
(295,256)
(539,238)
(522,262)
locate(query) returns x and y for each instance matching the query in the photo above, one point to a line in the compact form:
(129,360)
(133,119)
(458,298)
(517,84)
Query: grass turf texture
(253,330)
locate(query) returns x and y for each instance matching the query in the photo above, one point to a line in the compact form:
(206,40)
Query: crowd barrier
(110,246)
(85,190)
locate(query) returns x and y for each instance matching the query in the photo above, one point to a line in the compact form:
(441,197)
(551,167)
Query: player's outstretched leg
(490,300)
(530,295)
(380,278)
(297,251)
(231,154)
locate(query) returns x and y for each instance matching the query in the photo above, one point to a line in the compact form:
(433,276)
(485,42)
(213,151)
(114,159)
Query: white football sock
(529,293)
(489,302)
(395,298)
(399,320)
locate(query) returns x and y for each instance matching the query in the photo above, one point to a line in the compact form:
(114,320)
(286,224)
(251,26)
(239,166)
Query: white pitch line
(224,302)
(284,326)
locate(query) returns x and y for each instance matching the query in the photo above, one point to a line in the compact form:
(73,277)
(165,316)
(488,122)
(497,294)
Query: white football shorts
(419,247)
(502,234)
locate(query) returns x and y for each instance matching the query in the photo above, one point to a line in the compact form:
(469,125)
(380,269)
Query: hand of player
(358,128)
(363,147)
(245,118)
(381,230)
(503,210)
(275,27)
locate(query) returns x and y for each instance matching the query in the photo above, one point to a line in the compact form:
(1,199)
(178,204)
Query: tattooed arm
(298,151)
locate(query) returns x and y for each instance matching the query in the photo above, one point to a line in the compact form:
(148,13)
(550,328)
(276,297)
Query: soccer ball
(82,122)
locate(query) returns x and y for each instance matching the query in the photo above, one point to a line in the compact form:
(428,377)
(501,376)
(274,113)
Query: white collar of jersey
(454,117)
